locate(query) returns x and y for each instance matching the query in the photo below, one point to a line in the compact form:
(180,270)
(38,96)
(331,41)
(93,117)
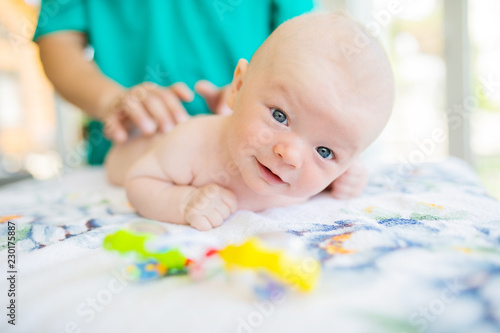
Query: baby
(309,102)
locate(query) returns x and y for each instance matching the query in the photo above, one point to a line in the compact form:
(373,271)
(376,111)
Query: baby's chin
(265,189)
(285,190)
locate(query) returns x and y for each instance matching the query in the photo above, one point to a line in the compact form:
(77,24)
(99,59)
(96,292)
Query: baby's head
(315,95)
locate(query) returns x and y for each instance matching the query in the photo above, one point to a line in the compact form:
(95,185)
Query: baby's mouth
(268,175)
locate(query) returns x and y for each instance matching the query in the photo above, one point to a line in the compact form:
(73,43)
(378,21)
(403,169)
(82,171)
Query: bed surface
(418,252)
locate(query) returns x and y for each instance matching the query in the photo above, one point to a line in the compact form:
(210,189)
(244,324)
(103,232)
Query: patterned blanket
(418,252)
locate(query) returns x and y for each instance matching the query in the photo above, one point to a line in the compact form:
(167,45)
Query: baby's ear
(239,73)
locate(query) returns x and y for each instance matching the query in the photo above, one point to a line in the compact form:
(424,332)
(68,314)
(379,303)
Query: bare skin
(148,107)
(295,129)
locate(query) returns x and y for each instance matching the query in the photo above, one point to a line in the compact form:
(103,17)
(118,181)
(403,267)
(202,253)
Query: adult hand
(149,107)
(214,96)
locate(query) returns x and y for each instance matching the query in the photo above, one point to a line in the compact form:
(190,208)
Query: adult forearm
(76,78)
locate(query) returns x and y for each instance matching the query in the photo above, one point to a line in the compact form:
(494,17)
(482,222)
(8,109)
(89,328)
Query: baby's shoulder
(190,139)
(197,130)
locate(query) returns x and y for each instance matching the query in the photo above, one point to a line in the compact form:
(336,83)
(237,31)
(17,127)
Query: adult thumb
(182,91)
(209,92)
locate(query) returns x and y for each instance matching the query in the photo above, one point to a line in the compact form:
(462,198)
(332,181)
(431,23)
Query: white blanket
(418,252)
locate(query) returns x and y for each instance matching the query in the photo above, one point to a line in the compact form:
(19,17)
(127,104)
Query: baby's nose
(289,153)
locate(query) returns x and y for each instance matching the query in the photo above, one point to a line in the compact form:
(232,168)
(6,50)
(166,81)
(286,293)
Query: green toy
(124,241)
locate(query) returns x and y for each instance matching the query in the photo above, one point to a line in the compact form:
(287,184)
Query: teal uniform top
(167,41)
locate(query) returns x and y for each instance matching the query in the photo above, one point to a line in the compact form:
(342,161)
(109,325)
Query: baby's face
(290,133)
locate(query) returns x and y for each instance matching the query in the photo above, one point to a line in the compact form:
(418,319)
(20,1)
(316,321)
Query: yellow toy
(298,272)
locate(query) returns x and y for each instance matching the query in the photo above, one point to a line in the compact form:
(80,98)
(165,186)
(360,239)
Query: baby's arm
(159,187)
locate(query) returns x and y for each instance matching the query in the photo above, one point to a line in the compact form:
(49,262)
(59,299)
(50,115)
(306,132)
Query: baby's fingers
(229,199)
(347,188)
(200,222)
(216,216)
(341,191)
(221,208)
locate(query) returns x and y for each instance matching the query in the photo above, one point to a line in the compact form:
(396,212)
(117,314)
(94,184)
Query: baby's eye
(326,153)
(279,116)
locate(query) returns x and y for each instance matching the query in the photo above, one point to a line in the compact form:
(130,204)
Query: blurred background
(446,58)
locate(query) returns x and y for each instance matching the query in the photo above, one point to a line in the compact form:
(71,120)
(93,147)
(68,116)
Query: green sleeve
(56,15)
(283,10)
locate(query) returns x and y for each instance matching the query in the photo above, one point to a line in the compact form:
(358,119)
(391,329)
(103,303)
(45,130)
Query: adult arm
(149,107)
(75,77)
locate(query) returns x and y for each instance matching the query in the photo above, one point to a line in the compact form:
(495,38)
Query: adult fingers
(222,107)
(209,92)
(138,114)
(214,96)
(182,91)
(158,110)
(115,129)
(176,111)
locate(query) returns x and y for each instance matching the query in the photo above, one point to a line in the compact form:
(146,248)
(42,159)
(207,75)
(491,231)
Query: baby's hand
(351,183)
(209,206)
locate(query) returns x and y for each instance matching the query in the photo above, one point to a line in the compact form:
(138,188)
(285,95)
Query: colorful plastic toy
(124,241)
(300,272)
(271,255)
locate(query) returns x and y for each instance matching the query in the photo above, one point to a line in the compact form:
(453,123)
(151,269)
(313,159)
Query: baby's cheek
(314,183)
